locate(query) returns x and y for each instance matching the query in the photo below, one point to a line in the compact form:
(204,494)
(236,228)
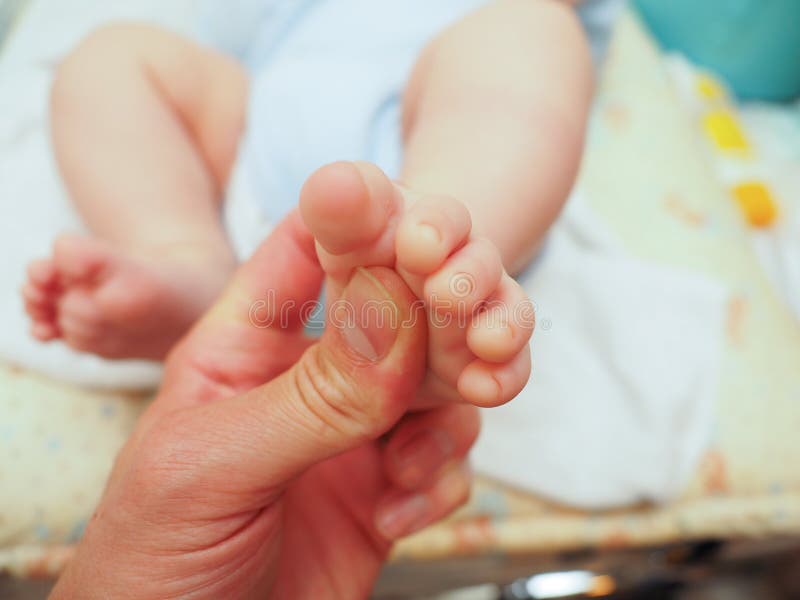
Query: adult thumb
(350,387)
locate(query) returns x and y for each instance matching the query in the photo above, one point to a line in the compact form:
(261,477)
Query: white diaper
(327,78)
(246,222)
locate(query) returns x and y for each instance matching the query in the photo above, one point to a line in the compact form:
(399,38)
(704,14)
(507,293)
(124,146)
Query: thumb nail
(367,316)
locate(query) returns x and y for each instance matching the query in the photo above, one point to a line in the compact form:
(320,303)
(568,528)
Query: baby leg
(493,124)
(145,130)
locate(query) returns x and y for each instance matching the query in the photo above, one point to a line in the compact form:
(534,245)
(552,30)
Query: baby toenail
(482,387)
(429,233)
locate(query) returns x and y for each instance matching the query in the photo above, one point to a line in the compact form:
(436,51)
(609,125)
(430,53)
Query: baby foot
(480,320)
(100,300)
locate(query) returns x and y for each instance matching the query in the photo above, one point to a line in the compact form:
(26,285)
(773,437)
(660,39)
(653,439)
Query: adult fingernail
(422,455)
(402,516)
(367,316)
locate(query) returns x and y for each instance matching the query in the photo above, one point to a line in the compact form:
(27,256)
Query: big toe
(351,209)
(80,259)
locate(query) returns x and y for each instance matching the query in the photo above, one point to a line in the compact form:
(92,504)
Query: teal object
(753,44)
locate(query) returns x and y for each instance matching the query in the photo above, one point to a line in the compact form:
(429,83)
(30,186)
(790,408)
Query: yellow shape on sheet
(724,130)
(709,88)
(757,203)
(602,585)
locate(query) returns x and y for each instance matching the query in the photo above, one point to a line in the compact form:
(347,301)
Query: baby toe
(431,229)
(44,331)
(79,312)
(85,335)
(35,295)
(39,304)
(488,384)
(79,259)
(42,273)
(504,324)
(347,206)
(41,314)
(467,279)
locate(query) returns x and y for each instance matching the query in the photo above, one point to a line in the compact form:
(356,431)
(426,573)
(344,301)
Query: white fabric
(245,220)
(625,364)
(327,78)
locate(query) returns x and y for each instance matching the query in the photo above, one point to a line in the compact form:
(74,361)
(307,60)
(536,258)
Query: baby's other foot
(480,320)
(100,300)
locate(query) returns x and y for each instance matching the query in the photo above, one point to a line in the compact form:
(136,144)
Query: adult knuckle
(164,463)
(333,398)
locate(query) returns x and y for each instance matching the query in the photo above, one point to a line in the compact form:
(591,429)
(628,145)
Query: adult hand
(231,487)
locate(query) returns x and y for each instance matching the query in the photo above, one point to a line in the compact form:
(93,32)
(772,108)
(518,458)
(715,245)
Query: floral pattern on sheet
(57,444)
